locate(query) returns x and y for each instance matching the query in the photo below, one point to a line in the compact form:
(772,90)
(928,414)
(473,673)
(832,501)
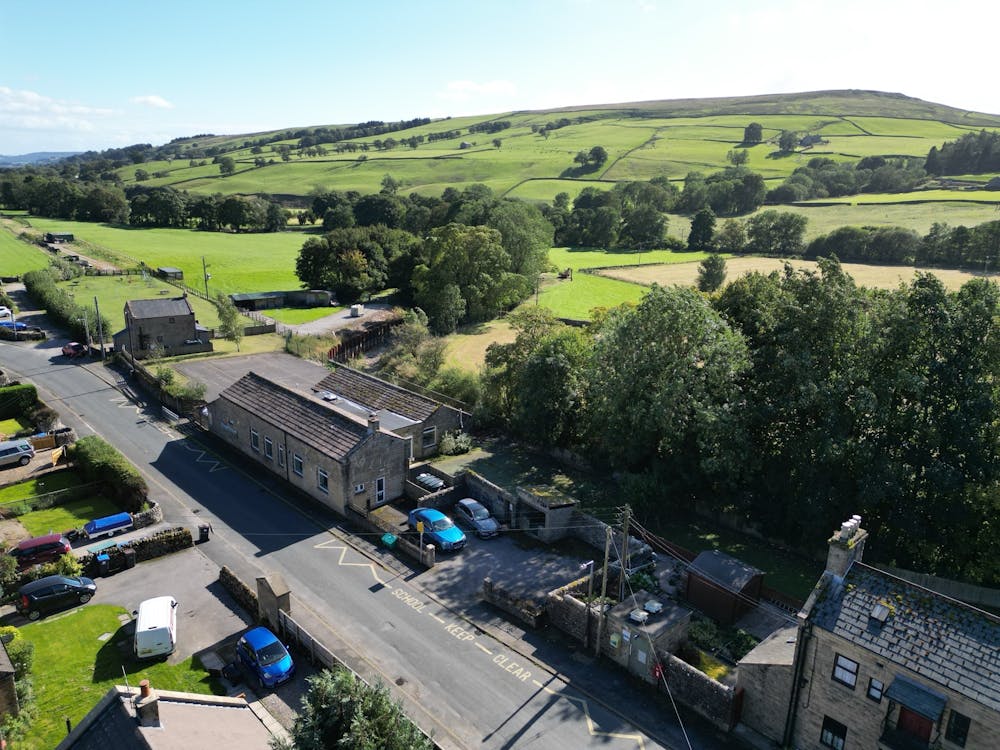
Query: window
(875,688)
(254,439)
(845,671)
(958,728)
(268,449)
(359,488)
(297,464)
(429,438)
(834,734)
(281,455)
(171,320)
(322,480)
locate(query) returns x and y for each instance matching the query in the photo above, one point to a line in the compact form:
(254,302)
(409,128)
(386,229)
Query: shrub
(454,443)
(100,462)
(17,400)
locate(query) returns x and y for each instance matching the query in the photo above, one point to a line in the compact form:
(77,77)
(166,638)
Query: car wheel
(260,683)
(34,614)
(84,598)
(24,460)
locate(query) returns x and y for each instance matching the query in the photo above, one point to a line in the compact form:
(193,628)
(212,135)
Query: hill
(530,154)
(37,157)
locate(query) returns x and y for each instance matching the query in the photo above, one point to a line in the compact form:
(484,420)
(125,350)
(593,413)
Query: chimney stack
(373,423)
(846,546)
(147,706)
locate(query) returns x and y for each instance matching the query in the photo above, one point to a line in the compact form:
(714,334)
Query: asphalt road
(460,684)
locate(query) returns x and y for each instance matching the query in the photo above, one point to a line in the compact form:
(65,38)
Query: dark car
(260,651)
(53,593)
(74,349)
(439,530)
(474,514)
(40,549)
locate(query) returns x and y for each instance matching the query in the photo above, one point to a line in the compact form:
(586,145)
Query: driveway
(218,373)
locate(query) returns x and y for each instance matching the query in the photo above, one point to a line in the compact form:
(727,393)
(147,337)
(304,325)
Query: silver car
(474,514)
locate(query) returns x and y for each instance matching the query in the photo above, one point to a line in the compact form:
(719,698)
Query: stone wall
(767,690)
(150,517)
(591,531)
(525,610)
(245,596)
(699,692)
(499,502)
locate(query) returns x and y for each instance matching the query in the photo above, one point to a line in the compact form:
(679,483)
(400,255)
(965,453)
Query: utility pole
(604,589)
(207,276)
(86,328)
(626,518)
(100,328)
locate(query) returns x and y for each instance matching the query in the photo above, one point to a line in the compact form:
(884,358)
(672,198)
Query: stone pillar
(272,594)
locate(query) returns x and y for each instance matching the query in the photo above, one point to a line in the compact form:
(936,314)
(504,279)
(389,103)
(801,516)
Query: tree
(141,175)
(731,238)
(738,156)
(341,711)
(787,141)
(702,231)
(230,320)
(776,233)
(497,143)
(525,234)
(711,273)
(753,133)
(390,185)
(643,228)
(227,165)
(598,155)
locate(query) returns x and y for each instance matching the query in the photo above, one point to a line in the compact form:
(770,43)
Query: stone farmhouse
(876,662)
(343,461)
(166,326)
(420,420)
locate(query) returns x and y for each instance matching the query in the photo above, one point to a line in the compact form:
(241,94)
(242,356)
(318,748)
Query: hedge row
(60,306)
(16,400)
(101,462)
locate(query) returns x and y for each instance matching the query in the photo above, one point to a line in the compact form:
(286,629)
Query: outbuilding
(723,587)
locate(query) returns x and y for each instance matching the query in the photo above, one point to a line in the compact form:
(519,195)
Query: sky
(78,76)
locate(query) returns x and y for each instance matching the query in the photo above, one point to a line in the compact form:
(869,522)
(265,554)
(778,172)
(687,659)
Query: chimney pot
(373,423)
(144,688)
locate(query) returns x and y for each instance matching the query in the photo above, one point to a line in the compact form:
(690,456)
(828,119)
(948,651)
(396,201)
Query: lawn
(70,515)
(17,256)
(53,482)
(12,426)
(297,315)
(79,656)
(467,346)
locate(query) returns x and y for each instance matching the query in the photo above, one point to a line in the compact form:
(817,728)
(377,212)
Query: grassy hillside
(643,140)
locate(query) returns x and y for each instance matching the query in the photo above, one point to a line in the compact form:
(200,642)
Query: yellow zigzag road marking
(343,551)
(591,726)
(126,403)
(201,458)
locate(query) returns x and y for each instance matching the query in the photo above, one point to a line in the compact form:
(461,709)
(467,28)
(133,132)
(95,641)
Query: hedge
(101,462)
(16,400)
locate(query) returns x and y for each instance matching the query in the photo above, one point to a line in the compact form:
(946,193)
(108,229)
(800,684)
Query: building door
(914,724)
(380,491)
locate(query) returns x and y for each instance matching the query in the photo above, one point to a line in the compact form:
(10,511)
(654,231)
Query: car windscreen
(442,524)
(271,653)
(479,512)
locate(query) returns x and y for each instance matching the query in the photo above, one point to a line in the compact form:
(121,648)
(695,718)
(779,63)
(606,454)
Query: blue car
(260,651)
(16,325)
(439,530)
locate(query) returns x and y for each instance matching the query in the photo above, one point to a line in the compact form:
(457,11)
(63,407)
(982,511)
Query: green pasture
(18,257)
(894,126)
(990,198)
(113,292)
(875,145)
(237,262)
(577,298)
(917,216)
(76,664)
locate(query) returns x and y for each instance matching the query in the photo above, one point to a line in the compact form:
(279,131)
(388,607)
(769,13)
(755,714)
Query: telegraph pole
(100,328)
(626,518)
(205,273)
(604,589)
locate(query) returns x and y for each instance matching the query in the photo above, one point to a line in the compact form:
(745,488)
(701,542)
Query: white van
(156,627)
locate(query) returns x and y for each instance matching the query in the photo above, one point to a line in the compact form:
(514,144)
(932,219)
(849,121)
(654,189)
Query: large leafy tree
(662,383)
(776,233)
(341,711)
(525,234)
(465,275)
(711,273)
(700,238)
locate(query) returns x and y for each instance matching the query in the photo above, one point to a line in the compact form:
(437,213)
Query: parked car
(440,530)
(260,651)
(53,593)
(474,514)
(15,325)
(18,451)
(430,482)
(74,349)
(39,550)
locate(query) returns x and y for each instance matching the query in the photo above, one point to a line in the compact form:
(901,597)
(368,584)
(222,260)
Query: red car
(74,349)
(41,549)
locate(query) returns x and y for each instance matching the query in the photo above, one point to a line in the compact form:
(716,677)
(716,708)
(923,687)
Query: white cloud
(29,103)
(468,91)
(152,100)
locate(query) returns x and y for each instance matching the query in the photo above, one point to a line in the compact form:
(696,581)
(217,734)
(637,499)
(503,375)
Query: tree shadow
(580,171)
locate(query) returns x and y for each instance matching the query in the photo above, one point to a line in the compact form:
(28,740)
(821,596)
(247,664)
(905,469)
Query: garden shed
(723,587)
(169,272)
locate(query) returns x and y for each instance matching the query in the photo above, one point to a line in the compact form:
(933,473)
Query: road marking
(439,619)
(481,647)
(201,458)
(459,632)
(509,665)
(343,552)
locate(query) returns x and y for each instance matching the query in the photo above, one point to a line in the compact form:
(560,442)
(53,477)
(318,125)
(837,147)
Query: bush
(17,400)
(100,462)
(454,443)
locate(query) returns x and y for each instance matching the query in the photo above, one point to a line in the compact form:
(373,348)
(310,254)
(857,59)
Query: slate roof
(718,567)
(948,643)
(312,422)
(375,394)
(140,309)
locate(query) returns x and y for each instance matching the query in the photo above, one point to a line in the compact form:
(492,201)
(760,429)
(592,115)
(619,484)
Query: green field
(18,257)
(296,315)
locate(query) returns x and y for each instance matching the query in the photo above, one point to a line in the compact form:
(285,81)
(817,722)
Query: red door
(914,724)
